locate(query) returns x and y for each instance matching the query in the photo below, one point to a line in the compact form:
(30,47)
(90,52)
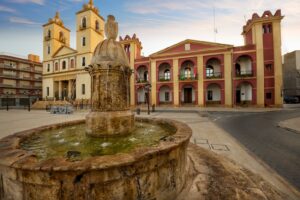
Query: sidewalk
(205,134)
(291,125)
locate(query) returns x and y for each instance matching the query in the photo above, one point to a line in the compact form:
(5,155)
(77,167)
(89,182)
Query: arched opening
(142,74)
(64,65)
(213,68)
(97,25)
(243,66)
(164,72)
(213,94)
(188,71)
(165,95)
(49,34)
(56,66)
(244,94)
(188,95)
(72,63)
(141,97)
(83,22)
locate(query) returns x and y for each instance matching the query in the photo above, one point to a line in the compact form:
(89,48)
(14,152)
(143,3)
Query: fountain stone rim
(14,157)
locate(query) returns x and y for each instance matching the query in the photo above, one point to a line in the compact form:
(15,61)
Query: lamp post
(7,108)
(148,89)
(28,100)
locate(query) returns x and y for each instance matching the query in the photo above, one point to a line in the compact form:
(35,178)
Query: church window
(49,34)
(48,91)
(83,89)
(48,49)
(72,63)
(48,68)
(97,25)
(83,61)
(83,41)
(64,64)
(83,22)
(56,66)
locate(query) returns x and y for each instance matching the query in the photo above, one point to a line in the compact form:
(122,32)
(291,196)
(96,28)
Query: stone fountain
(110,73)
(77,160)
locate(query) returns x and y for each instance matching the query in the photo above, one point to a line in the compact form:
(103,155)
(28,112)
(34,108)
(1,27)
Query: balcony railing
(185,77)
(244,73)
(7,85)
(214,75)
(164,78)
(8,75)
(141,80)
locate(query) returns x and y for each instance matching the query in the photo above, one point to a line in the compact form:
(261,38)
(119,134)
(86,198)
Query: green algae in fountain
(72,140)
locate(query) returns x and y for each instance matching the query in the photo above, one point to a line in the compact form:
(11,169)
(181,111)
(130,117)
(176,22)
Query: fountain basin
(154,172)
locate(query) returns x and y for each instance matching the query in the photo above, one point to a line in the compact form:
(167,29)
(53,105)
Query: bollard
(138,111)
(153,107)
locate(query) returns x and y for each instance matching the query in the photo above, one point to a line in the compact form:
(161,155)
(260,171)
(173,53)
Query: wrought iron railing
(164,78)
(214,75)
(184,77)
(244,73)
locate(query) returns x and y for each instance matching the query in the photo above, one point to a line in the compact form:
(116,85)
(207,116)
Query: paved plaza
(206,134)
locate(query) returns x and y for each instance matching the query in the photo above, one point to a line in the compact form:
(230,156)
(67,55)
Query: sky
(157,23)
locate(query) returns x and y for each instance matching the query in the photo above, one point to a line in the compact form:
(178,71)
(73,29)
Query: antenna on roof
(215,29)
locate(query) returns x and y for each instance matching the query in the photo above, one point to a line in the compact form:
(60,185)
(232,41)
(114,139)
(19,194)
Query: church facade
(200,73)
(189,73)
(64,76)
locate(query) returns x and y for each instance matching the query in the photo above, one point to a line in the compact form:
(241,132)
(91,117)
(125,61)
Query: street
(259,133)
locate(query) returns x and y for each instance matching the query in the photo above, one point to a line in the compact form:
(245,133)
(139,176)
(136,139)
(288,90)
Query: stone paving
(205,134)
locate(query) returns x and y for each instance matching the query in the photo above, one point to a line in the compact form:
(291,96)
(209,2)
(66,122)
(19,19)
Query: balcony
(188,77)
(244,74)
(8,75)
(214,75)
(141,80)
(7,85)
(163,78)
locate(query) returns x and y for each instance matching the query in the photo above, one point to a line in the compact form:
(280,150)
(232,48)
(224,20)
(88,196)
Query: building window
(267,28)
(56,66)
(49,34)
(209,71)
(83,41)
(64,64)
(187,72)
(72,63)
(269,95)
(83,22)
(167,74)
(48,68)
(97,25)
(167,96)
(83,89)
(48,49)
(48,91)
(83,61)
(269,67)
(187,47)
(209,95)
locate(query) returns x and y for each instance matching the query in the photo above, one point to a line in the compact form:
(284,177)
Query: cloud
(7,9)
(19,20)
(39,2)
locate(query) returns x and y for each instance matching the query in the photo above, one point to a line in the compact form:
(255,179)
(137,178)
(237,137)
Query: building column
(228,79)
(69,88)
(175,83)
(59,89)
(277,63)
(260,78)
(132,88)
(153,82)
(200,81)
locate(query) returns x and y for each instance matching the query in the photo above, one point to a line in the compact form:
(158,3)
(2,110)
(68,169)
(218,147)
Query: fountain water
(112,156)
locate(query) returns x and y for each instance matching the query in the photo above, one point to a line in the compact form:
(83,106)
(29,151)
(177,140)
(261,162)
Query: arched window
(97,25)
(83,22)
(187,72)
(61,35)
(83,41)
(48,49)
(56,66)
(64,64)
(72,63)
(209,71)
(167,74)
(146,75)
(49,34)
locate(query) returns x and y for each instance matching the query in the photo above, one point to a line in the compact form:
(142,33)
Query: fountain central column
(110,75)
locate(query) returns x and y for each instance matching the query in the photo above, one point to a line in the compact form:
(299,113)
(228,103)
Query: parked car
(291,99)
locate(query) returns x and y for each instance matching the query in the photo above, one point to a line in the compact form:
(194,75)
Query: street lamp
(7,108)
(147,88)
(28,99)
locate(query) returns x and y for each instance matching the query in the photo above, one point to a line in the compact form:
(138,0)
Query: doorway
(238,96)
(188,95)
